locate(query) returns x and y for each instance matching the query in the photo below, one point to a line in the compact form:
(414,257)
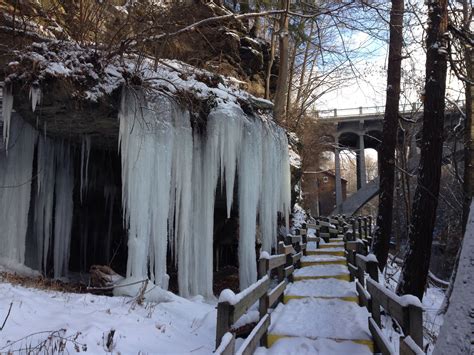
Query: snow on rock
(100,75)
(132,286)
(304,346)
(314,318)
(295,159)
(176,327)
(298,217)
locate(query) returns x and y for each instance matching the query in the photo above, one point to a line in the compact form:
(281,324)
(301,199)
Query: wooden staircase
(322,293)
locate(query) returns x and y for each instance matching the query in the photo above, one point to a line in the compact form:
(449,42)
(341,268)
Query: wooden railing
(230,310)
(363,268)
(406,310)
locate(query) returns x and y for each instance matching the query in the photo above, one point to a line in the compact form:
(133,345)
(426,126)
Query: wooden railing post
(414,324)
(224,320)
(366,229)
(262,267)
(370,226)
(375,310)
(281,268)
(373,270)
(361,275)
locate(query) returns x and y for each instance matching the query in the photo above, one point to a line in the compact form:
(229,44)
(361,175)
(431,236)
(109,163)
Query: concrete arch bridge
(357,129)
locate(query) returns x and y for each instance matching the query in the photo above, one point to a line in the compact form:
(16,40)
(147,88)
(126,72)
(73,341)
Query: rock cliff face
(79,91)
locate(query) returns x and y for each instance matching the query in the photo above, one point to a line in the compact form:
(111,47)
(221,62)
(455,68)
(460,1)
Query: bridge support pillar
(361,173)
(337,173)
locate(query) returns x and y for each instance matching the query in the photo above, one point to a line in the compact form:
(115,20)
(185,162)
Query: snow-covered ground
(85,321)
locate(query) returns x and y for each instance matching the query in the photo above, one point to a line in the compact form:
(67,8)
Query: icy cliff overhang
(80,89)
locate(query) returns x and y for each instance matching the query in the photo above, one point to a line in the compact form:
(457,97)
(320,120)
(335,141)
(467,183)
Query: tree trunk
(469,133)
(270,65)
(416,265)
(281,90)
(290,80)
(303,66)
(389,136)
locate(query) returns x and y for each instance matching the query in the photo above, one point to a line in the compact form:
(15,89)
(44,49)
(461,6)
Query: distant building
(319,191)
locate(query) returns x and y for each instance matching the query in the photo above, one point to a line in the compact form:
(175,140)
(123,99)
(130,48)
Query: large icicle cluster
(52,207)
(170,175)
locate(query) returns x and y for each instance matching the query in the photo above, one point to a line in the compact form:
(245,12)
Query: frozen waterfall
(52,209)
(170,174)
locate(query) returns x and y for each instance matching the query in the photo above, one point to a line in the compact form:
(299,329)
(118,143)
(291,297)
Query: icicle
(250,177)
(285,174)
(7,107)
(232,122)
(63,210)
(15,186)
(109,195)
(146,146)
(85,154)
(44,198)
(35,96)
(181,208)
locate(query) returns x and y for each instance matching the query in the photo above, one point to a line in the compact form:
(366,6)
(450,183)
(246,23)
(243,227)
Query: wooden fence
(405,310)
(363,270)
(283,265)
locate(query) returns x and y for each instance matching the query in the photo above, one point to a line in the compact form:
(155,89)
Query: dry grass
(42,283)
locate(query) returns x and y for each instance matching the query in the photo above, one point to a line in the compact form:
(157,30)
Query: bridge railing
(373,110)
(364,111)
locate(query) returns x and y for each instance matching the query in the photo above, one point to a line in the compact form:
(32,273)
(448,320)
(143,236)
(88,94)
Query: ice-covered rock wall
(170,174)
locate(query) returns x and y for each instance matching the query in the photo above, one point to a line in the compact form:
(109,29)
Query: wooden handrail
(227,314)
(405,310)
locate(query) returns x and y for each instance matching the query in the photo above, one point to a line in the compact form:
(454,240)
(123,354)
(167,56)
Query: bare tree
(389,135)
(282,83)
(416,265)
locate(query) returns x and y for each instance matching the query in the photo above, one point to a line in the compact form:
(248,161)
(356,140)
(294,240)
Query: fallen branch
(8,315)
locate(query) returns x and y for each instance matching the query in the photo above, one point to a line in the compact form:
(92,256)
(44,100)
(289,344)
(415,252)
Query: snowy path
(320,314)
